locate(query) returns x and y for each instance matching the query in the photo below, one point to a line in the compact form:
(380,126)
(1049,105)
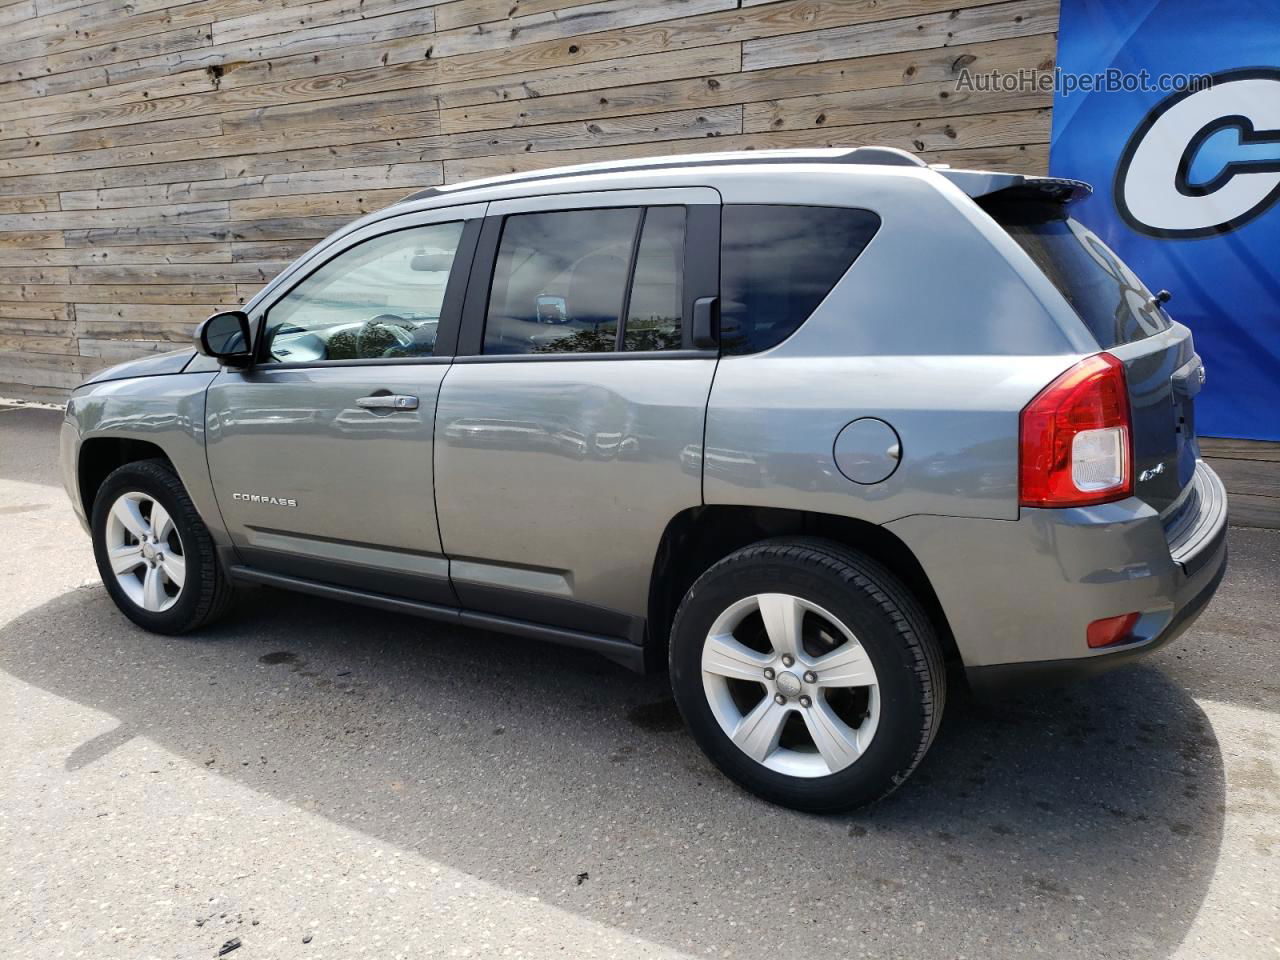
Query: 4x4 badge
(1152,473)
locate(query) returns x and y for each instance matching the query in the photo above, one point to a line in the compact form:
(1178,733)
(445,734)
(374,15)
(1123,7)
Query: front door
(321,453)
(569,430)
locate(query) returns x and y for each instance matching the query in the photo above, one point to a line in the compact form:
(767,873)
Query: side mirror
(225,337)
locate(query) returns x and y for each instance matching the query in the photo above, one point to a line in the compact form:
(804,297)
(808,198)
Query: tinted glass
(1114,304)
(381,298)
(559,281)
(657,289)
(777,263)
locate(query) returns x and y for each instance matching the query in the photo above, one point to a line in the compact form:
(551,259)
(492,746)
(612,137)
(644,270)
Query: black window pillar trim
(455,290)
(470,338)
(701,262)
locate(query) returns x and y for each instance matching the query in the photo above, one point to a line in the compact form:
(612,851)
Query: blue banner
(1171,109)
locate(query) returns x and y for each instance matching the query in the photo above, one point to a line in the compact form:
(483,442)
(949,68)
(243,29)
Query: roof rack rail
(874,156)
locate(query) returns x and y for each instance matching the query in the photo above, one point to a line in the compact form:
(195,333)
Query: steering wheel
(382,334)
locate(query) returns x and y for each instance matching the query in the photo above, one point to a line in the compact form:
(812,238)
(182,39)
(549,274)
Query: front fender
(166,411)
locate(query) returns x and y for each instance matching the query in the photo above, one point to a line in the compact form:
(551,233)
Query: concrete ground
(320,781)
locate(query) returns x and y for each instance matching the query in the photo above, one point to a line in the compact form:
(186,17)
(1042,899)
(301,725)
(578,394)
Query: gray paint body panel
(1025,592)
(774,417)
(558,477)
(167,411)
(155,365)
(361,478)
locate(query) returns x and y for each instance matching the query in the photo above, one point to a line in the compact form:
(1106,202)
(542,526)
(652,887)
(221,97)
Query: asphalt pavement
(308,779)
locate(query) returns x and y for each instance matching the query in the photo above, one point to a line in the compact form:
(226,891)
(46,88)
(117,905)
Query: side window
(777,263)
(564,281)
(381,298)
(657,288)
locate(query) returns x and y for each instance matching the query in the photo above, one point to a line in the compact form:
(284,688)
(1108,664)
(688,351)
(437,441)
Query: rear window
(1113,303)
(777,263)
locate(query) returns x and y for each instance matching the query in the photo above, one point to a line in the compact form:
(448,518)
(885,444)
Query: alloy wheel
(145,552)
(790,685)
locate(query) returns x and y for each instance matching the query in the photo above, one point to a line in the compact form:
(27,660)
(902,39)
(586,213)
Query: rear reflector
(1112,630)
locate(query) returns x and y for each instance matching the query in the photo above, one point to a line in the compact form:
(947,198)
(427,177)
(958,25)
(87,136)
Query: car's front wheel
(154,553)
(808,673)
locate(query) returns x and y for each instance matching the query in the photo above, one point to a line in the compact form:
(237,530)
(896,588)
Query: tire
(876,667)
(186,548)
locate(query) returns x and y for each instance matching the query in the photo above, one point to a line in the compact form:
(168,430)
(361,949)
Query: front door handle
(388,401)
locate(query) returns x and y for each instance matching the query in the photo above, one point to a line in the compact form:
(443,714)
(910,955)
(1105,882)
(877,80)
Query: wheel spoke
(161,524)
(125,558)
(153,595)
(837,742)
(846,666)
(758,732)
(726,657)
(175,568)
(783,615)
(127,512)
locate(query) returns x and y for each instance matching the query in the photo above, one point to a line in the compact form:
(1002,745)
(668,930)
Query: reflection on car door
(321,454)
(569,428)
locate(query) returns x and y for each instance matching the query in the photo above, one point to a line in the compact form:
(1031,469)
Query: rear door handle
(705,315)
(388,401)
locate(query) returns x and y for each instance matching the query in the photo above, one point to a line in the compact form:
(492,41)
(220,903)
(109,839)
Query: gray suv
(804,427)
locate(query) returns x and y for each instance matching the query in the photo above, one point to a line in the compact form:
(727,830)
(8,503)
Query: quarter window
(381,298)
(777,263)
(567,281)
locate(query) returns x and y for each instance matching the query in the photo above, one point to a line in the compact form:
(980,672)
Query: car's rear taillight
(1074,444)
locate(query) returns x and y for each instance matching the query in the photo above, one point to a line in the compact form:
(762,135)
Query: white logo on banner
(1154,189)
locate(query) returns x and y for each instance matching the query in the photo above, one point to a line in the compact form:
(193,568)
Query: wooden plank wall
(1250,470)
(159,159)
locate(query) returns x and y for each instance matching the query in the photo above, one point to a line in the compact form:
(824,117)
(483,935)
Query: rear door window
(777,263)
(1113,303)
(588,281)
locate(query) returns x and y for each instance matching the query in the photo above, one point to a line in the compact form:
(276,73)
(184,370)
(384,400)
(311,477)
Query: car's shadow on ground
(529,765)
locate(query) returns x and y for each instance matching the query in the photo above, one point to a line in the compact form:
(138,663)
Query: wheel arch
(697,538)
(100,455)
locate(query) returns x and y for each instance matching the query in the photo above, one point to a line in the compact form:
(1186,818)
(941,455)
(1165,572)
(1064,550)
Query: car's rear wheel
(808,673)
(154,553)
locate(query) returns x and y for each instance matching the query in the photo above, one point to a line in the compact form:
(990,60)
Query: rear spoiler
(989,185)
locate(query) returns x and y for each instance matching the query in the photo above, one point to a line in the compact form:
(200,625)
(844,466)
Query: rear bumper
(1019,595)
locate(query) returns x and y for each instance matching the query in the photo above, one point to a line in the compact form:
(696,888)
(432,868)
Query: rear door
(1163,370)
(321,453)
(570,425)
